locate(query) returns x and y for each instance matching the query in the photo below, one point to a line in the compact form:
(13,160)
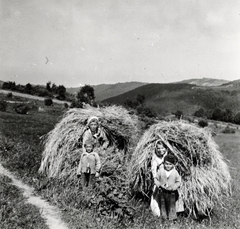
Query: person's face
(93,126)
(160,150)
(89,148)
(168,165)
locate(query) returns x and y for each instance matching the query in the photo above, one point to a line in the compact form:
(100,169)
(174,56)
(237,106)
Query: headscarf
(91,119)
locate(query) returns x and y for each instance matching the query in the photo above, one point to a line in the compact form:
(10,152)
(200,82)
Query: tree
(3,105)
(128,103)
(48,86)
(217,114)
(54,88)
(227,115)
(200,112)
(86,94)
(140,99)
(237,118)
(28,88)
(9,85)
(61,90)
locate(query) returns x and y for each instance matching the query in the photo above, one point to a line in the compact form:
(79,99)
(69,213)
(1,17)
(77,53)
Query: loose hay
(61,154)
(206,178)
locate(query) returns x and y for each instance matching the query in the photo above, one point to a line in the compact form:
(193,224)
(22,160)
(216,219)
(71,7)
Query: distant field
(20,151)
(31,96)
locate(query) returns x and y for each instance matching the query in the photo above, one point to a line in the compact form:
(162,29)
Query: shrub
(22,108)
(48,102)
(228,130)
(76,104)
(65,105)
(237,118)
(178,114)
(199,113)
(203,123)
(9,95)
(3,105)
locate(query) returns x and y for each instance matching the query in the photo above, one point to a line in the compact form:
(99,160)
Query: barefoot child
(168,180)
(89,165)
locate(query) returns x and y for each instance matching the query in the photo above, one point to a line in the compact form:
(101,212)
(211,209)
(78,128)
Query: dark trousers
(87,179)
(167,202)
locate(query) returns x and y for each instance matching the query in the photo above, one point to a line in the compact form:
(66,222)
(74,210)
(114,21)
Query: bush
(3,105)
(199,113)
(203,123)
(76,104)
(178,114)
(65,105)
(237,118)
(48,102)
(21,108)
(228,130)
(9,95)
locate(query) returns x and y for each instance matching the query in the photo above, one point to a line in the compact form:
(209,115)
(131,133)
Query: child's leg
(162,203)
(92,179)
(172,206)
(84,180)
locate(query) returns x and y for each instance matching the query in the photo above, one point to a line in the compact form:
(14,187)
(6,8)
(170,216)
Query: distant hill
(167,98)
(234,83)
(104,91)
(206,82)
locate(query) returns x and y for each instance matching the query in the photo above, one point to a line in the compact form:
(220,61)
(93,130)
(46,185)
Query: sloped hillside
(167,98)
(104,91)
(206,82)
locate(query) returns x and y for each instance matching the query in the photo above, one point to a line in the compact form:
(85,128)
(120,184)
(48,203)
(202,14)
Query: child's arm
(154,166)
(79,169)
(98,164)
(157,178)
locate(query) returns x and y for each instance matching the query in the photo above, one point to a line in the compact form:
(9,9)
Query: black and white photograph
(119,114)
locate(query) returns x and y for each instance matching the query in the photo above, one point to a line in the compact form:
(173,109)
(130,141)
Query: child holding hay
(89,165)
(95,134)
(168,180)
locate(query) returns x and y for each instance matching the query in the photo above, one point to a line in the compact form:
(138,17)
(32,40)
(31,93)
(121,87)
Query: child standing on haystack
(157,161)
(89,165)
(95,134)
(168,180)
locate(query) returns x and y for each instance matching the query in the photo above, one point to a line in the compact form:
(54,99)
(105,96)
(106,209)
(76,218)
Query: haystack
(61,146)
(205,174)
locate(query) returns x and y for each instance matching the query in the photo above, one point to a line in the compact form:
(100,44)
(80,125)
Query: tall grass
(20,152)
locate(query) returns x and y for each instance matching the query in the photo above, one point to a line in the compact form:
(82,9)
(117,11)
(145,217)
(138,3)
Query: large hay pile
(206,178)
(61,152)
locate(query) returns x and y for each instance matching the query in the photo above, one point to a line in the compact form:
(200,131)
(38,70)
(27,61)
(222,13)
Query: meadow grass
(20,152)
(14,211)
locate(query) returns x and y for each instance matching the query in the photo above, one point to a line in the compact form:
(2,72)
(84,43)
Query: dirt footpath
(50,213)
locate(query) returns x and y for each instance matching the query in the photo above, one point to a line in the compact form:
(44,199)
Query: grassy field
(20,152)
(14,211)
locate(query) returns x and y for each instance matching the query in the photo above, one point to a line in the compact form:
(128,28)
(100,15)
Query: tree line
(50,90)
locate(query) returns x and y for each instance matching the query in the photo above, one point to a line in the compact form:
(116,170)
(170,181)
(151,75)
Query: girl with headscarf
(157,161)
(95,133)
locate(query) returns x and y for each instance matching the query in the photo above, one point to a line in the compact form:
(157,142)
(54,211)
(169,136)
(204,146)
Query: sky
(78,42)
